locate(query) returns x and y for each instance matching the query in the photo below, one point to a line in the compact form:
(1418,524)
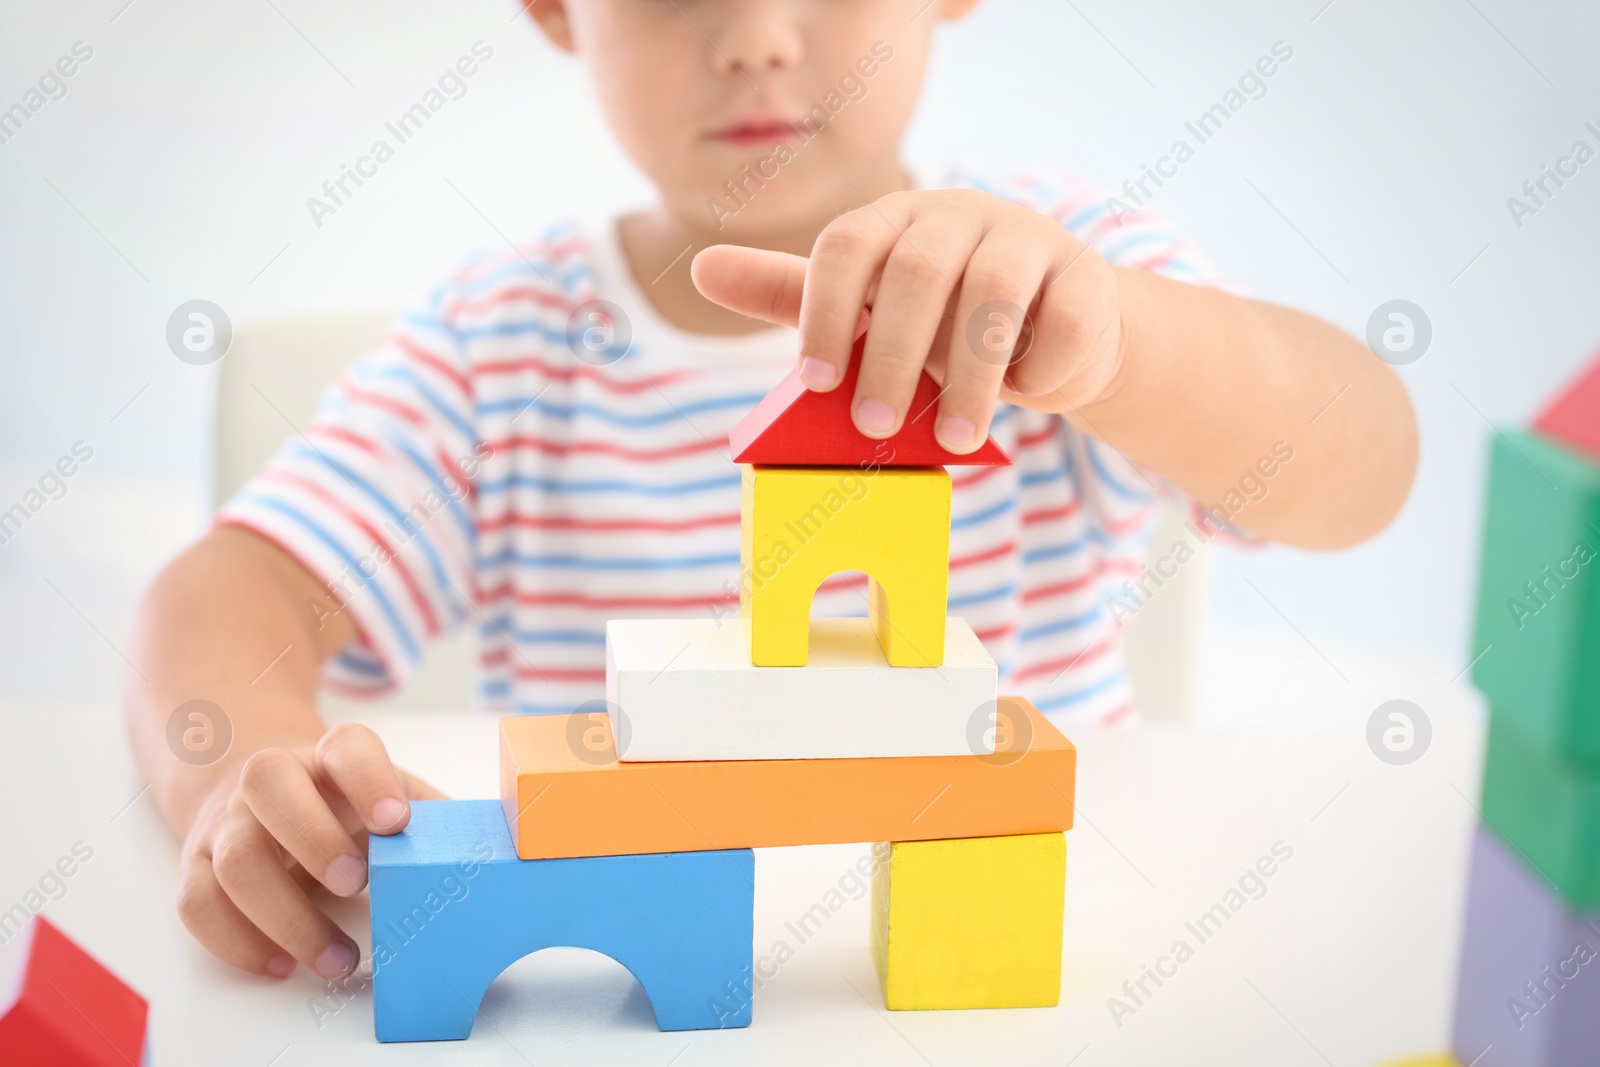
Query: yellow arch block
(801,524)
(971,922)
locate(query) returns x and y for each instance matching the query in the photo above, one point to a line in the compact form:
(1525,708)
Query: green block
(1539,595)
(1547,808)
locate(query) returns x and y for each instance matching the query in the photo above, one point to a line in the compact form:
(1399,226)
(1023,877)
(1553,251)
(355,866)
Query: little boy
(541,444)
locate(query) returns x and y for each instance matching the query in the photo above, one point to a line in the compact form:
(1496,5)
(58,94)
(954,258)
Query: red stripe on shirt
(1028,440)
(1087,655)
(556,373)
(339,433)
(606,448)
(428,359)
(560,674)
(983,556)
(1117,714)
(584,600)
(574,522)
(1046,514)
(357,395)
(976,475)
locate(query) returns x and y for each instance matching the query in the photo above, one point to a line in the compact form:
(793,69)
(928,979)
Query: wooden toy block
(1547,808)
(684,689)
(800,525)
(794,426)
(1539,596)
(453,906)
(1573,418)
(972,923)
(565,794)
(1439,1059)
(59,1006)
(1529,988)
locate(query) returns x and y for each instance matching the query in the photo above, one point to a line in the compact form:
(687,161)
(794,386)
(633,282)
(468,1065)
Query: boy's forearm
(230,621)
(1211,384)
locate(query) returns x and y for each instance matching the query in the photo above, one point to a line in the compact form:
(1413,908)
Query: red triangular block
(59,1006)
(1574,417)
(793,426)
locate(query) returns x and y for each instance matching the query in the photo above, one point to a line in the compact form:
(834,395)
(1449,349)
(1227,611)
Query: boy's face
(755,116)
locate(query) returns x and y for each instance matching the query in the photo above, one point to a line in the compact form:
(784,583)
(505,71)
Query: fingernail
(345,875)
(280,966)
(874,416)
(387,812)
(818,373)
(335,961)
(957,433)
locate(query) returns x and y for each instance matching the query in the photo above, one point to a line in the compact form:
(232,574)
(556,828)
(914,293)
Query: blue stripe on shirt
(960,521)
(1116,678)
(969,599)
(621,563)
(1033,633)
(358,664)
(567,411)
(503,627)
(610,485)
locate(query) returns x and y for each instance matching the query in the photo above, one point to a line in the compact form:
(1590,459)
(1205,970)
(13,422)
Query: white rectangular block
(684,689)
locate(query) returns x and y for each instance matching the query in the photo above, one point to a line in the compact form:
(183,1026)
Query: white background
(1377,166)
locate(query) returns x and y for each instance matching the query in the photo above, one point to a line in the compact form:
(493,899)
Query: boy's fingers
(844,263)
(218,924)
(353,760)
(245,860)
(1072,329)
(999,285)
(922,271)
(757,282)
(277,789)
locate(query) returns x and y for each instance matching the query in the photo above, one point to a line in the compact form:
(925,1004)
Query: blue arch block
(453,906)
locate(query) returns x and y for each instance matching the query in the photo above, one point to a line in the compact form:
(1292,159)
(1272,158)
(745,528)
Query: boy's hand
(290,817)
(947,275)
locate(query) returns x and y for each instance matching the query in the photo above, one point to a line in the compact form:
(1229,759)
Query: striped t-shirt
(474,471)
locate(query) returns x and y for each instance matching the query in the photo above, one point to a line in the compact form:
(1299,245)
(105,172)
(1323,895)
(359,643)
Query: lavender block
(1529,991)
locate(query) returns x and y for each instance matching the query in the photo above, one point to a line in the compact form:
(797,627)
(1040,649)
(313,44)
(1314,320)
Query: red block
(60,1008)
(795,427)
(1574,417)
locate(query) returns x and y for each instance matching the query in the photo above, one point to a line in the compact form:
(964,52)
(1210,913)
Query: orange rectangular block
(565,794)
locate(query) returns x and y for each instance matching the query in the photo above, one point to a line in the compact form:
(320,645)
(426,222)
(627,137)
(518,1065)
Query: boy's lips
(747,132)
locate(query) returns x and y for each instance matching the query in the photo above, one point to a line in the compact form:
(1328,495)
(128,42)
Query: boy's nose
(756,35)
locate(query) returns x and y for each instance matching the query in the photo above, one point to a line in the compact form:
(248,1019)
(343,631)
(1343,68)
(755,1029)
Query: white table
(1347,959)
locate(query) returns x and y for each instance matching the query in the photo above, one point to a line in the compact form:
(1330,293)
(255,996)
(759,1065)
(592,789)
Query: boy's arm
(235,621)
(1208,384)
(1196,384)
(207,629)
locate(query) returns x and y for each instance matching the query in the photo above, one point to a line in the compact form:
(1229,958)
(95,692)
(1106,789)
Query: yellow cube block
(970,923)
(802,524)
(1442,1059)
